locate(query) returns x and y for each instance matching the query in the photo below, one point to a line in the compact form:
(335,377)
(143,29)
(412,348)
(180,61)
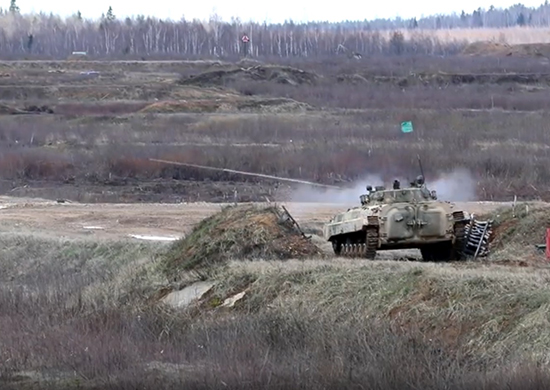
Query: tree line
(515,15)
(54,37)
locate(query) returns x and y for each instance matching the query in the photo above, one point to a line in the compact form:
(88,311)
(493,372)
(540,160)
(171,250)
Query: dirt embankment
(239,232)
(257,73)
(518,233)
(445,79)
(230,104)
(479,317)
(30,109)
(438,79)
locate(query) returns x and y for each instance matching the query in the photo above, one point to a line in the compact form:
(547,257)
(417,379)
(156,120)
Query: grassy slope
(82,309)
(517,231)
(488,312)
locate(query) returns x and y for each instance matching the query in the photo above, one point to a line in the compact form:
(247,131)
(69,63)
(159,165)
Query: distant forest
(50,36)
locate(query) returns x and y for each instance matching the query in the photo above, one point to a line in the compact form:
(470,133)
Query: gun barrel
(421,169)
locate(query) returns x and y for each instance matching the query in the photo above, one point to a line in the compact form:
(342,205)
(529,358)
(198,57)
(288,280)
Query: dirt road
(46,218)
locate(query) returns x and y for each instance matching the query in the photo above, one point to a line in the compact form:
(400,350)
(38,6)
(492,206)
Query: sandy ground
(46,218)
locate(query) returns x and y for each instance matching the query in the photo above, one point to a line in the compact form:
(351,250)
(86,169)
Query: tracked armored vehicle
(411,217)
(400,218)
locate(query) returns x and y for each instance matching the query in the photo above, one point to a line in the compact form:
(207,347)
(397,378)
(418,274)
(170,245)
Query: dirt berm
(517,232)
(243,232)
(272,73)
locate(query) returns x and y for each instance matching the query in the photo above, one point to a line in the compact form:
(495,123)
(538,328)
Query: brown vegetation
(79,315)
(331,121)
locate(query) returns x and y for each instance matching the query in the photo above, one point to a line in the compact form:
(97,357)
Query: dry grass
(334,123)
(331,148)
(302,324)
(480,311)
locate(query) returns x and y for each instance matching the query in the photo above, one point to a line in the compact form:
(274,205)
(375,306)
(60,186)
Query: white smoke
(456,186)
(347,195)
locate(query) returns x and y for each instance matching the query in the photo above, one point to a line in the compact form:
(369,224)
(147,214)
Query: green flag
(407,127)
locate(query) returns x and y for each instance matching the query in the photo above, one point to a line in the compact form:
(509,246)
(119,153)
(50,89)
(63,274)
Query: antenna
(421,169)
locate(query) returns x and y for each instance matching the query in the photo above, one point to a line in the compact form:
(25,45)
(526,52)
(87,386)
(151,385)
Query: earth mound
(8,110)
(443,78)
(525,225)
(240,232)
(518,231)
(271,73)
(227,105)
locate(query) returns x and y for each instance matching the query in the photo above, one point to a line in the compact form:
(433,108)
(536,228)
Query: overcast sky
(270,11)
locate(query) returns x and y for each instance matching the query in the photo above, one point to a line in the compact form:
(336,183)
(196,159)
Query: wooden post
(547,243)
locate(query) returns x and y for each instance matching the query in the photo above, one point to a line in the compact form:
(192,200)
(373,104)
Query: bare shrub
(497,130)
(505,159)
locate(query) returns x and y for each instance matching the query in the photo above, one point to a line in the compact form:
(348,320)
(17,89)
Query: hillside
(292,324)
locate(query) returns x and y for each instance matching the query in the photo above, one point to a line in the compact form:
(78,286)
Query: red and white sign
(245,39)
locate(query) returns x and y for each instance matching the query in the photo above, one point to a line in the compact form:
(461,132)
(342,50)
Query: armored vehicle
(399,218)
